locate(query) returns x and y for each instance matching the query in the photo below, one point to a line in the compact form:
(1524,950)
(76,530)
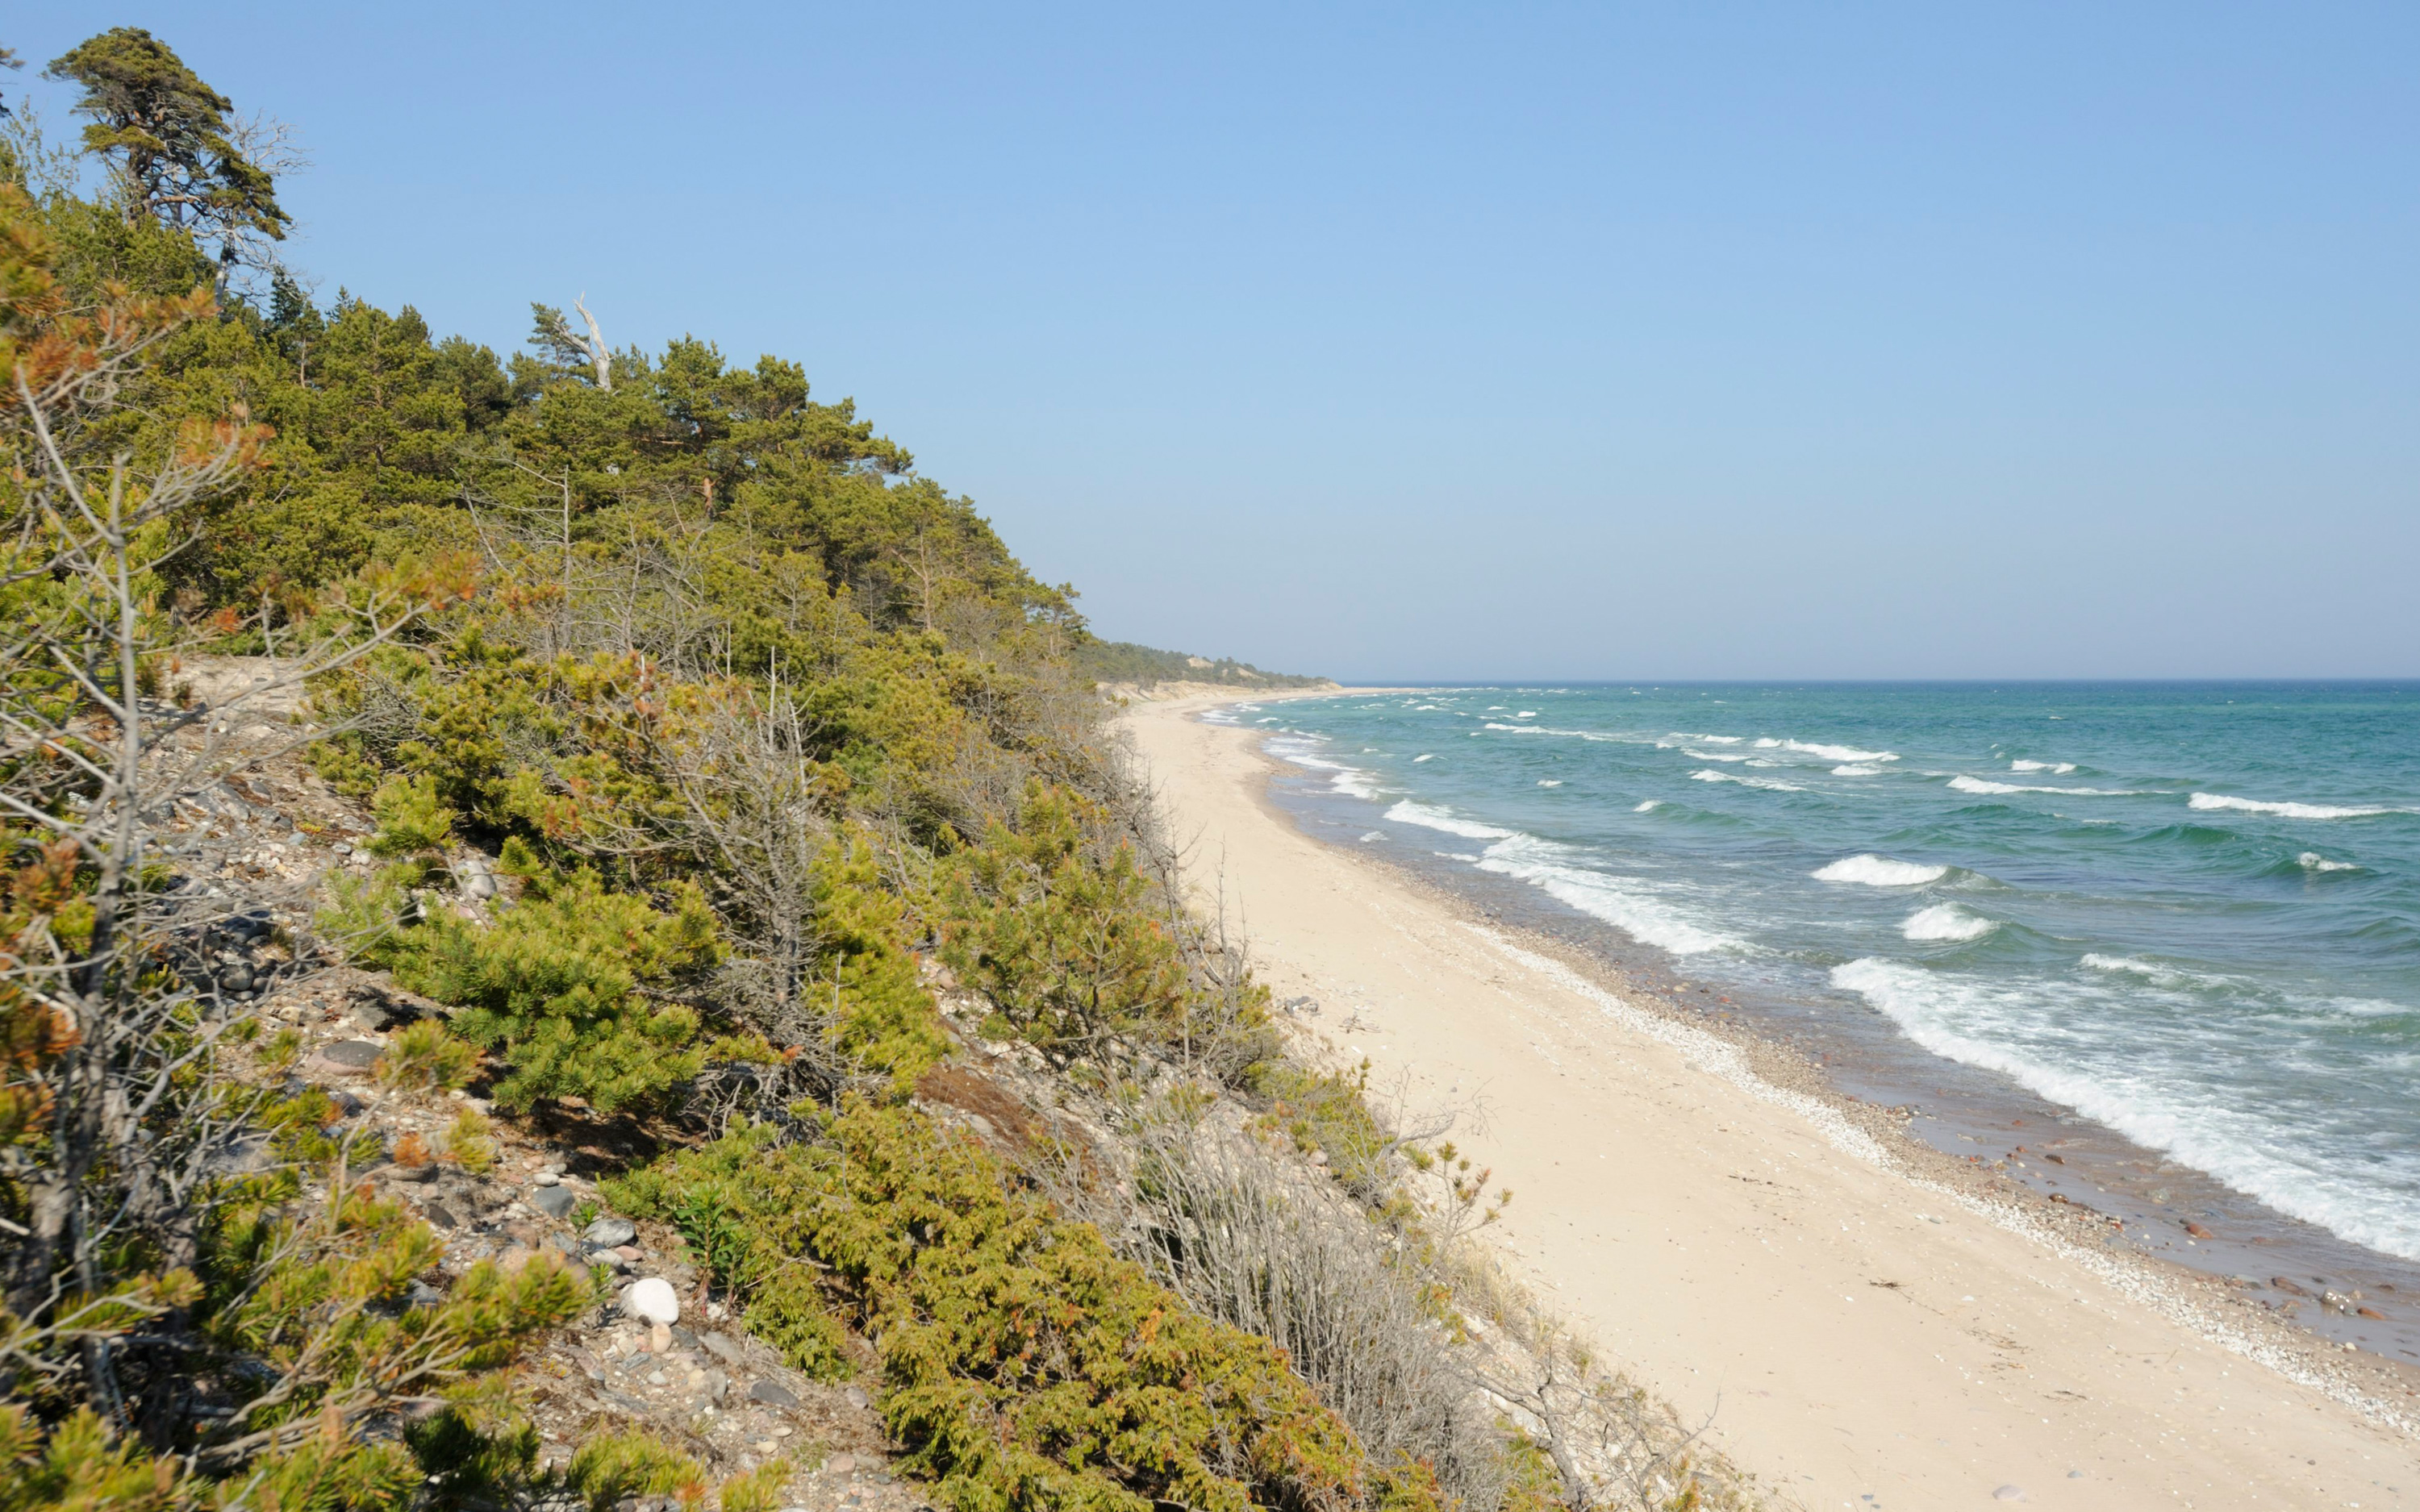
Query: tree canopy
(168,139)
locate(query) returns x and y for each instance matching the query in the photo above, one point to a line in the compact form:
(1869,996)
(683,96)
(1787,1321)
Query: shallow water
(2189,913)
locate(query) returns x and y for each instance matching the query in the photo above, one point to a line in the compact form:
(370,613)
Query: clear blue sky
(1506,341)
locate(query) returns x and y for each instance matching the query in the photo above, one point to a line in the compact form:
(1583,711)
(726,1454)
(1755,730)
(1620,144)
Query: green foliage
(468,1142)
(167,135)
(787,1310)
(1329,1111)
(1025,1366)
(555,988)
(413,821)
(1123,661)
(78,1465)
(611,1467)
(1067,946)
(884,1016)
(425,1057)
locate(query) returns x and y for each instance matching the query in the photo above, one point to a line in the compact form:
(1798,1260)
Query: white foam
(1981,784)
(1429,816)
(1569,734)
(1880,871)
(1628,903)
(2283,811)
(1852,770)
(2174,979)
(2054,768)
(1649,805)
(1373,835)
(2023,1031)
(1947,921)
(1550,781)
(1350,780)
(1720,756)
(1424,756)
(1527,714)
(2314,861)
(1767,783)
(1830,753)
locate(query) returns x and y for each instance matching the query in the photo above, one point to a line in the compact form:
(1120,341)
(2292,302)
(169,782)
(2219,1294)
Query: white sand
(1854,1331)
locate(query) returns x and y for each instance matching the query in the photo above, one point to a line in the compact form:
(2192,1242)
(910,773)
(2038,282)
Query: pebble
(841,1464)
(659,1338)
(2009,1493)
(857,1397)
(547,1179)
(346,1057)
(654,1299)
(608,1232)
(554,1201)
(772,1394)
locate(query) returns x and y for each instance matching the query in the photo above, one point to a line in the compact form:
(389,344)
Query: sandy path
(1862,1342)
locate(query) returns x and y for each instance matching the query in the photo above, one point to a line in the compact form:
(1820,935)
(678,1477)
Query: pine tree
(178,157)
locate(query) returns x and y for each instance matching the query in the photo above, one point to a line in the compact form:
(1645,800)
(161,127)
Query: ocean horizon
(2187,909)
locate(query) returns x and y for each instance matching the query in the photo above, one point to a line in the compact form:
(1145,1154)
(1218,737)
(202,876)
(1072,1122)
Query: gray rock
(721,1347)
(2009,1493)
(244,1154)
(857,1397)
(605,1257)
(772,1394)
(353,1055)
(717,1385)
(608,1232)
(235,977)
(684,1338)
(478,882)
(441,1215)
(554,1201)
(424,1295)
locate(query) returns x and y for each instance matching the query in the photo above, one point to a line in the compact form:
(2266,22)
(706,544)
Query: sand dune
(1860,1336)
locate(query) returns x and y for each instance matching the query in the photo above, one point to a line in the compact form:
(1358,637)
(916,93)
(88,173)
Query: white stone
(652,1299)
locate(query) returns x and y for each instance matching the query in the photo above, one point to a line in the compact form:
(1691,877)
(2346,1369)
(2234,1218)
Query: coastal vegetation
(724,786)
(1123,661)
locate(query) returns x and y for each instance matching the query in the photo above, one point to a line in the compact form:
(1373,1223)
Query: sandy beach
(1862,1330)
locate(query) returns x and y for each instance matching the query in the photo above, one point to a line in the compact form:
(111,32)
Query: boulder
(772,1394)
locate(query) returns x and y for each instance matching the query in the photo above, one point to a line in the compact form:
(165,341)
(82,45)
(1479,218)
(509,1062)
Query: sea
(2178,922)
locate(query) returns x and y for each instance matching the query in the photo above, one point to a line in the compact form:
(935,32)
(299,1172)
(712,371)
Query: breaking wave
(1429,816)
(2284,810)
(1947,921)
(1880,871)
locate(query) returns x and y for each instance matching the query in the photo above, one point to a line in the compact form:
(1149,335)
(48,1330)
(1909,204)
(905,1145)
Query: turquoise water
(2191,911)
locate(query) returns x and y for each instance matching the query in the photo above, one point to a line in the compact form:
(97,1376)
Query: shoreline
(1738,1146)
